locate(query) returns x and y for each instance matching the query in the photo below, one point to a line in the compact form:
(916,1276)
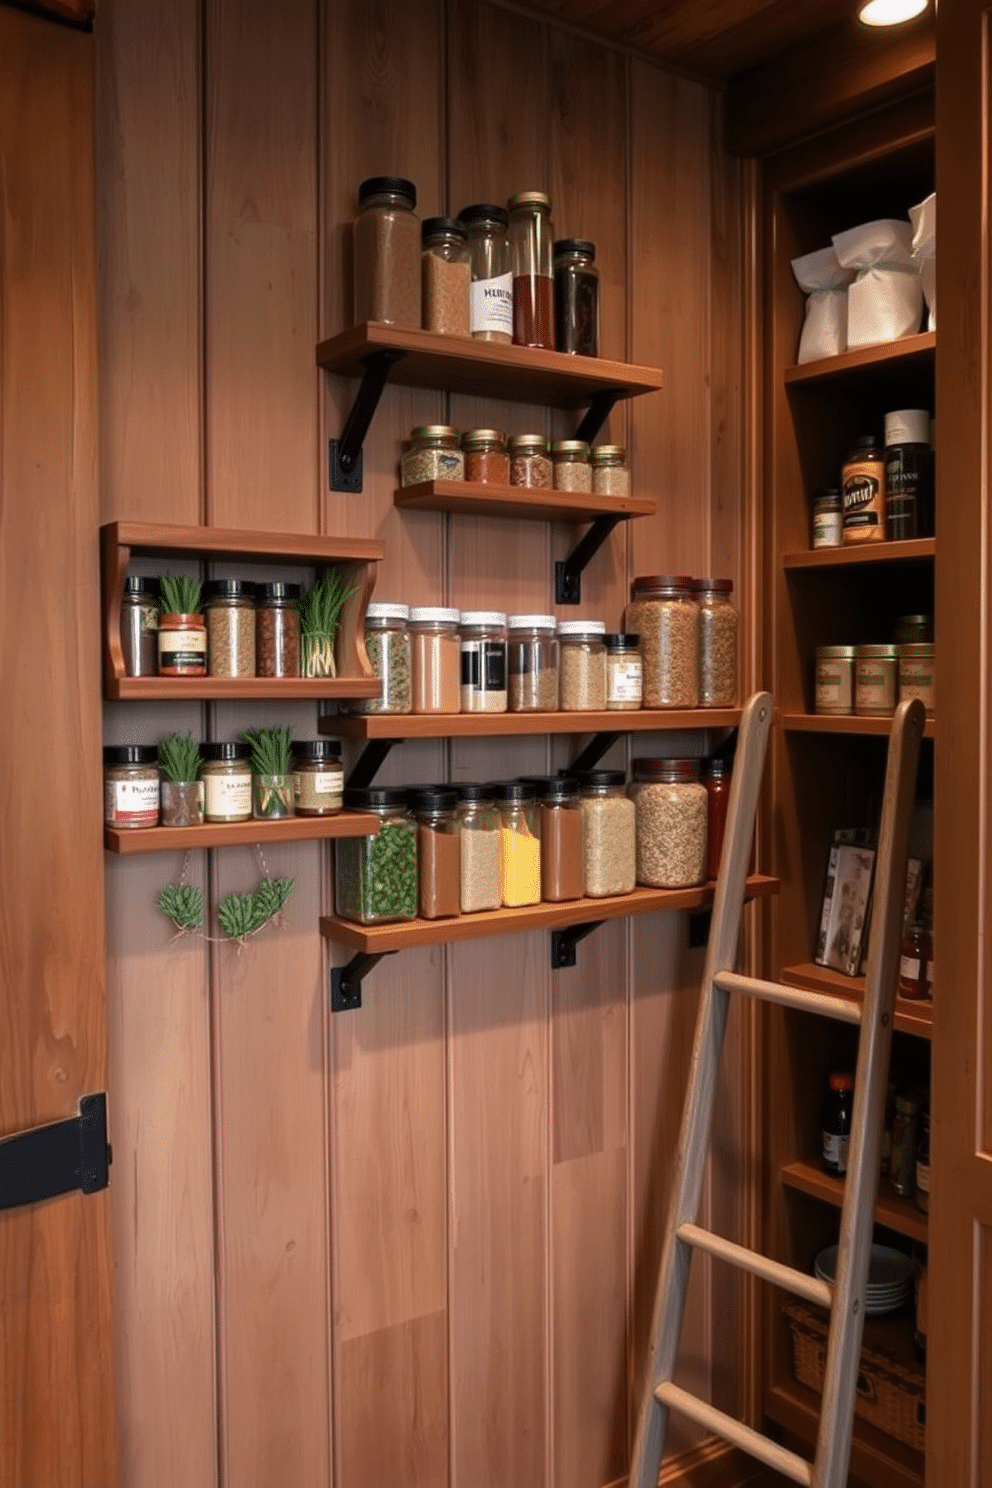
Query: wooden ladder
(846,1296)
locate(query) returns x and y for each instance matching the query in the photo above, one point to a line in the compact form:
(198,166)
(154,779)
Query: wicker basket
(889,1395)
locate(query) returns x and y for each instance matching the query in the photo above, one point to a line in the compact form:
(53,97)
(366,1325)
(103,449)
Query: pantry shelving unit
(827,723)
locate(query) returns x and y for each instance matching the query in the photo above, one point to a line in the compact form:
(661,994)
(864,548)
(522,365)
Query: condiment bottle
(387,253)
(130,785)
(716,778)
(520,844)
(139,626)
(576,297)
(863,490)
(491,302)
(828,521)
(438,851)
(908,474)
(837,1111)
(480,849)
(561,841)
(624,672)
(532,259)
(446,276)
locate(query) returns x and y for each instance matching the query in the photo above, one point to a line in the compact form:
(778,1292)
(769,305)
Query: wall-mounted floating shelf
(130,842)
(844,723)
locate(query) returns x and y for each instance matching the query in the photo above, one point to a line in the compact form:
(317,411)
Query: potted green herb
(182,633)
(271,763)
(181,790)
(320,615)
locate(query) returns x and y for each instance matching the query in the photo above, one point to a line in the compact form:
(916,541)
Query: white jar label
(828,530)
(130,803)
(835,1151)
(491,307)
(909,968)
(624,680)
(328,783)
(193,639)
(923,1176)
(875,688)
(226,796)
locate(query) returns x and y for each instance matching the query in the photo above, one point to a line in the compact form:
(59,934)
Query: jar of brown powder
(436,656)
(387,252)
(486,459)
(447,276)
(438,851)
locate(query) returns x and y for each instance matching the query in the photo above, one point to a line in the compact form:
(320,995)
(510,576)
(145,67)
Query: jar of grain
(664,613)
(483,661)
(375,877)
(435,454)
(139,626)
(130,785)
(671,823)
(562,874)
(576,297)
(530,463)
(875,680)
(387,641)
(277,630)
(226,776)
(491,304)
(520,844)
(436,652)
(582,665)
(624,674)
(486,459)
(572,471)
(230,610)
(479,822)
(718,626)
(609,852)
(387,253)
(318,779)
(834,679)
(610,476)
(532,663)
(532,237)
(438,851)
(446,275)
(916,675)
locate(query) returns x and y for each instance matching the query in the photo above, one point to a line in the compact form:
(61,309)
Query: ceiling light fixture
(890,12)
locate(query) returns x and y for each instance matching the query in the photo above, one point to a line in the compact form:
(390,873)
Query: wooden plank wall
(416,1244)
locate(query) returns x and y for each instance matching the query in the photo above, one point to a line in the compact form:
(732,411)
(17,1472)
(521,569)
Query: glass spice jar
(530,463)
(139,626)
(483,661)
(130,785)
(532,663)
(671,806)
(387,642)
(828,519)
(576,297)
(610,476)
(562,874)
(716,779)
(318,778)
(387,253)
(438,851)
(531,235)
(480,849)
(446,277)
(572,471)
(520,844)
(916,674)
(914,954)
(435,454)
(664,613)
(834,683)
(226,776)
(182,645)
(375,877)
(624,673)
(486,459)
(875,672)
(436,653)
(277,630)
(718,628)
(229,605)
(582,665)
(609,834)
(491,291)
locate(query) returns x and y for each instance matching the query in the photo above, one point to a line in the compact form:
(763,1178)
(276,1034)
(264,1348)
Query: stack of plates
(890,1274)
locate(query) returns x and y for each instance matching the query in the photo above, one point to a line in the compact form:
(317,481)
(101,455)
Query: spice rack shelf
(845,723)
(398,726)
(913,353)
(891,1210)
(129,843)
(356,557)
(912,550)
(910,1016)
(477,499)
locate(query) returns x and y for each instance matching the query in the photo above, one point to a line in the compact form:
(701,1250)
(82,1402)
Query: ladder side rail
(691,1154)
(861,1187)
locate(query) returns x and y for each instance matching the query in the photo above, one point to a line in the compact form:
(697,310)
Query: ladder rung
(720,1424)
(798,1282)
(794,997)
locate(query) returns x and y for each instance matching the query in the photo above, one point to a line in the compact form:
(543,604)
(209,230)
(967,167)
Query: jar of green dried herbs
(376,877)
(387,641)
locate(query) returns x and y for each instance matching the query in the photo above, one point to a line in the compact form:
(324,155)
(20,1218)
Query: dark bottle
(908,474)
(717,782)
(923,1165)
(576,297)
(837,1109)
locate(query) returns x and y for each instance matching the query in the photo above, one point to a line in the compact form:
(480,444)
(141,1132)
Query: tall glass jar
(277,630)
(664,613)
(387,253)
(532,258)
(532,663)
(491,304)
(562,875)
(436,649)
(610,476)
(478,817)
(483,666)
(446,276)
(375,878)
(486,459)
(609,842)
(435,453)
(576,297)
(438,851)
(387,641)
(139,626)
(572,471)
(624,672)
(530,463)
(230,612)
(718,627)
(582,666)
(717,783)
(520,844)
(671,823)
(226,775)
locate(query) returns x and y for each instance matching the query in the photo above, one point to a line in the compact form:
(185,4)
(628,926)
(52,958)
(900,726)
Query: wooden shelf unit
(908,352)
(891,1210)
(483,499)
(912,550)
(830,723)
(910,1016)
(490,725)
(130,842)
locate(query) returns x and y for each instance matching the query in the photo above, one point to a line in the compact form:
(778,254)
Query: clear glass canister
(576,297)
(532,663)
(483,664)
(610,476)
(834,679)
(876,670)
(609,838)
(318,778)
(387,641)
(139,626)
(435,453)
(532,259)
(277,630)
(530,463)
(486,458)
(672,815)
(562,875)
(572,471)
(624,673)
(664,613)
(478,817)
(387,252)
(226,776)
(229,605)
(438,851)
(446,276)
(130,785)
(520,844)
(718,631)
(491,303)
(916,675)
(436,649)
(375,878)
(582,665)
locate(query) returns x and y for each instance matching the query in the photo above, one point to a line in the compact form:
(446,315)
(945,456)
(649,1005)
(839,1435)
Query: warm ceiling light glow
(890,12)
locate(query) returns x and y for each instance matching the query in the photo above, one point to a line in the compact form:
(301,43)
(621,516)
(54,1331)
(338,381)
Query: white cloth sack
(824,331)
(886,299)
(924,249)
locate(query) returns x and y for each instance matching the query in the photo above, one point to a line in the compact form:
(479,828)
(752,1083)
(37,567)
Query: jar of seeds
(582,683)
(375,878)
(438,851)
(718,626)
(277,630)
(480,847)
(530,463)
(387,641)
(610,476)
(486,459)
(436,649)
(230,614)
(139,626)
(664,613)
(671,807)
(491,312)
(572,471)
(435,453)
(483,665)
(532,657)
(624,675)
(609,851)
(446,275)
(387,252)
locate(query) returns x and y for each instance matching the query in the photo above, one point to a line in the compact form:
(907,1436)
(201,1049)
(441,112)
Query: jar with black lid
(491,291)
(438,851)
(908,474)
(375,877)
(838,1109)
(480,848)
(139,626)
(387,252)
(447,276)
(624,672)
(130,785)
(609,833)
(226,776)
(277,630)
(576,297)
(562,876)
(230,612)
(318,779)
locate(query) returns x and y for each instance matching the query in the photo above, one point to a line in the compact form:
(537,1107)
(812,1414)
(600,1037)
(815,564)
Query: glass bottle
(582,665)
(908,474)
(671,808)
(717,782)
(609,850)
(226,776)
(902,1159)
(532,663)
(838,1108)
(139,626)
(562,876)
(277,630)
(483,661)
(229,605)
(718,627)
(447,276)
(436,650)
(387,253)
(576,297)
(914,953)
(923,1165)
(375,877)
(491,303)
(532,260)
(480,849)
(520,844)
(387,641)
(438,851)
(863,491)
(664,613)
(486,458)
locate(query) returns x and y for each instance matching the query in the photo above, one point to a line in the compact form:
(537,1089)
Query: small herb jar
(139,626)
(916,675)
(572,471)
(828,519)
(436,649)
(834,679)
(530,463)
(875,680)
(226,776)
(318,779)
(624,672)
(435,453)
(375,877)
(718,631)
(438,851)
(387,641)
(277,630)
(610,476)
(486,458)
(447,276)
(532,663)
(483,661)
(480,849)
(562,876)
(230,612)
(609,833)
(182,645)
(582,665)
(130,785)
(576,297)
(520,843)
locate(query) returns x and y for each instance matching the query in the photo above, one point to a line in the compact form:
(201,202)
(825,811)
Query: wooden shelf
(910,1016)
(891,1210)
(875,1457)
(845,723)
(158,540)
(486,369)
(475,499)
(129,842)
(907,350)
(168,689)
(478,725)
(379,939)
(855,554)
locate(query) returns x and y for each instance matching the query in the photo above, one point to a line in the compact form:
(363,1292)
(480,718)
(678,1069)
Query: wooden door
(56,1375)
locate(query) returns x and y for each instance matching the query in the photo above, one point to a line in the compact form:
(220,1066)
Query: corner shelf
(844,723)
(130,842)
(891,1210)
(911,550)
(911,1016)
(909,352)
(477,499)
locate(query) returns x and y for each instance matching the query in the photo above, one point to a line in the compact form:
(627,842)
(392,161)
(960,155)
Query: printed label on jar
(922,1176)
(864,505)
(874,690)
(149,618)
(909,969)
(916,681)
(833,689)
(484,666)
(624,680)
(835,1151)
(491,306)
(828,530)
(327,783)
(131,803)
(226,796)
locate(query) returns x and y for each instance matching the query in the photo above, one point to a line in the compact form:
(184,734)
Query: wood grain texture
(57,1379)
(398,1421)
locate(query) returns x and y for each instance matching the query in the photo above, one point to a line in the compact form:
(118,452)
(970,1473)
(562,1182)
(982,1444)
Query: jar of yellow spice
(520,843)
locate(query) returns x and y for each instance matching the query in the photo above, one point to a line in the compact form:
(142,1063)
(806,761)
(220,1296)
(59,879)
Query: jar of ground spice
(532,663)
(139,626)
(576,297)
(718,627)
(608,833)
(610,476)
(446,276)
(562,875)
(664,613)
(875,680)
(572,471)
(435,454)
(486,459)
(530,463)
(671,809)
(520,844)
(387,252)
(226,776)
(582,668)
(483,663)
(438,851)
(387,641)
(834,683)
(916,675)
(531,236)
(480,848)
(863,491)
(491,293)
(230,611)
(130,785)
(436,656)
(375,877)
(318,779)
(277,630)
(624,673)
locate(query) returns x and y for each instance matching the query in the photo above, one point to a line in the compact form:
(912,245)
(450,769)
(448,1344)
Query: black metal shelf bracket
(345,454)
(568,574)
(346,981)
(563,943)
(369,761)
(589,758)
(46,1161)
(597,413)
